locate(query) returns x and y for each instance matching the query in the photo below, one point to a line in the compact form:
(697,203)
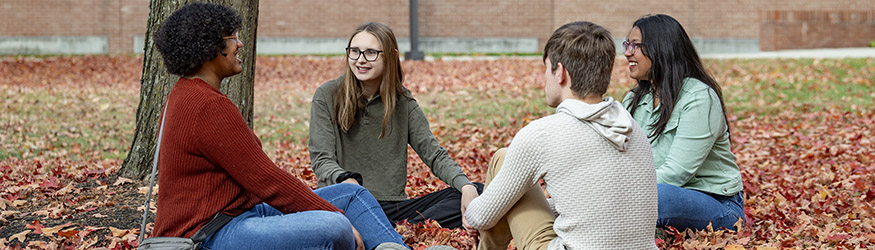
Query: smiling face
(365,71)
(230,56)
(639,64)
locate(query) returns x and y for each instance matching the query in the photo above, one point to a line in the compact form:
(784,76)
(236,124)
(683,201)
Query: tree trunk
(156,83)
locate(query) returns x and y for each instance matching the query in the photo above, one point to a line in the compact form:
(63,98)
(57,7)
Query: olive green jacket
(382,162)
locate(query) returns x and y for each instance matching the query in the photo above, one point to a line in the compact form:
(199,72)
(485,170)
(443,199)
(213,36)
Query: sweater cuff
(349,174)
(460,181)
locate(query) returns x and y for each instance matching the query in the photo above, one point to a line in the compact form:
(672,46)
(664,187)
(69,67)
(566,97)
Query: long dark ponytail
(673,58)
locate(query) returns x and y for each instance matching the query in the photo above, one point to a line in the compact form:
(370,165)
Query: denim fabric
(684,208)
(264,227)
(363,211)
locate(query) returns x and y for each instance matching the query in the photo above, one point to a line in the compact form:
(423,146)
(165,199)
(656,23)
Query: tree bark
(156,83)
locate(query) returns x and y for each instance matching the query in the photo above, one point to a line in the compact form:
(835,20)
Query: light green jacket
(693,151)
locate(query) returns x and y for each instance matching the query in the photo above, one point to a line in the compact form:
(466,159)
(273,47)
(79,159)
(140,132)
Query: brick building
(303,26)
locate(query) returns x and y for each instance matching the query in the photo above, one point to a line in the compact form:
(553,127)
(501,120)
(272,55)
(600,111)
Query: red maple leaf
(51,183)
(36,226)
(838,237)
(69,233)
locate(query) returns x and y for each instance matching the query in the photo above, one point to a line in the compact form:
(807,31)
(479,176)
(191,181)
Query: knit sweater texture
(211,162)
(381,161)
(598,169)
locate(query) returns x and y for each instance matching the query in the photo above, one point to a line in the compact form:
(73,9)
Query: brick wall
(700,18)
(816,29)
(328,18)
(444,18)
(118,20)
(121,20)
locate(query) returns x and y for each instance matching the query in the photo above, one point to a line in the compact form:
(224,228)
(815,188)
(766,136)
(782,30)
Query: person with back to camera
(211,162)
(680,107)
(593,157)
(361,124)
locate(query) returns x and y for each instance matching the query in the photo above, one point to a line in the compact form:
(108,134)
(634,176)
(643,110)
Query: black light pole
(414,53)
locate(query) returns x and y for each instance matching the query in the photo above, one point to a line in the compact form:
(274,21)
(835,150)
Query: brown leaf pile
(802,132)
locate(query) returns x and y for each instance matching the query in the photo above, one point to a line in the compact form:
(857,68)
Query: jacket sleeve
(224,138)
(519,173)
(430,151)
(321,143)
(700,122)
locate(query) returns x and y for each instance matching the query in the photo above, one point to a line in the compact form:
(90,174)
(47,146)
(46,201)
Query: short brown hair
(587,52)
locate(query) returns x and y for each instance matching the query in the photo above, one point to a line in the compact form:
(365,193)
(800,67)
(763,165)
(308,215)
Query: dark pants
(442,206)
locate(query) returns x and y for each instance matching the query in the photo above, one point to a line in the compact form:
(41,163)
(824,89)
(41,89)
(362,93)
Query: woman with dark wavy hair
(212,163)
(680,107)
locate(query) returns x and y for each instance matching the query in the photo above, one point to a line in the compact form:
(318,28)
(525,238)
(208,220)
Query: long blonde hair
(349,98)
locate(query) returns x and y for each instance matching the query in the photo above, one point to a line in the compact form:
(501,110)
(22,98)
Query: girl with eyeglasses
(361,124)
(680,107)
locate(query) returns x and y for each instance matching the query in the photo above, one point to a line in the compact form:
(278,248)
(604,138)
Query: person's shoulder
(694,90)
(331,85)
(405,101)
(328,88)
(538,127)
(195,90)
(693,85)
(629,95)
(627,99)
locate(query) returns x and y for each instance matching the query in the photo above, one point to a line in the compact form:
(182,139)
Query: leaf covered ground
(802,132)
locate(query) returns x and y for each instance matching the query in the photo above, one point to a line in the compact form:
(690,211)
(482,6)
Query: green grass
(467,107)
(767,86)
(447,54)
(282,115)
(61,122)
(92,121)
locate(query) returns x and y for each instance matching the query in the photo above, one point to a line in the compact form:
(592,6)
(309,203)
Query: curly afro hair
(193,35)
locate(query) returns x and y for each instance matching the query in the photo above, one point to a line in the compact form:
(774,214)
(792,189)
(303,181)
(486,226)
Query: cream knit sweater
(598,168)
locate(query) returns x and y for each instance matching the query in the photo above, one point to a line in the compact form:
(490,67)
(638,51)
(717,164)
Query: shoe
(441,247)
(391,246)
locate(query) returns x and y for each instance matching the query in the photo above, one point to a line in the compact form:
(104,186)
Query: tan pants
(529,222)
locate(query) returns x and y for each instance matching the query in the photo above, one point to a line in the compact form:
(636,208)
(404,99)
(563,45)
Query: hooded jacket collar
(608,118)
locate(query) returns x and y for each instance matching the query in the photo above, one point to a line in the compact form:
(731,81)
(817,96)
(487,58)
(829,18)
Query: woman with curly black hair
(211,163)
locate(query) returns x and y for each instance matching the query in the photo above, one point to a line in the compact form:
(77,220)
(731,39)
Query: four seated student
(593,157)
(211,162)
(680,107)
(361,124)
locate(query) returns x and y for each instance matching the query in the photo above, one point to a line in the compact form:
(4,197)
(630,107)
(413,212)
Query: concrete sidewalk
(803,53)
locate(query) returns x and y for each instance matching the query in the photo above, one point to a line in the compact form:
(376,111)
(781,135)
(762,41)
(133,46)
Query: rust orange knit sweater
(210,162)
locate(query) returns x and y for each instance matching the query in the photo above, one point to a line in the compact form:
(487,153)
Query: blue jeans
(264,227)
(684,208)
(363,211)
